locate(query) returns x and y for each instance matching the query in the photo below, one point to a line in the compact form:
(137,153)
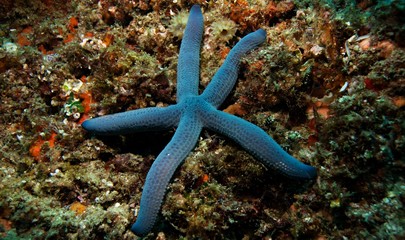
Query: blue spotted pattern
(191,113)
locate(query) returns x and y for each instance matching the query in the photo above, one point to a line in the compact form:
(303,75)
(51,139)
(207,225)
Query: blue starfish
(191,113)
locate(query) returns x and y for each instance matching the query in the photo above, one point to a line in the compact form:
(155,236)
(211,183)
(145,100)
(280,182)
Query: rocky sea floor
(328,86)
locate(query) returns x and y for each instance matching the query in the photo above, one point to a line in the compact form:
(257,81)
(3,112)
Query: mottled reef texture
(328,85)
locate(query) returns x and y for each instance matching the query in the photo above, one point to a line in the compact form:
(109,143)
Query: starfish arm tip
(262,35)
(195,8)
(139,230)
(89,125)
(311,171)
(86,125)
(300,170)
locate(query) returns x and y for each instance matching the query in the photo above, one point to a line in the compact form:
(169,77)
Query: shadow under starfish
(192,113)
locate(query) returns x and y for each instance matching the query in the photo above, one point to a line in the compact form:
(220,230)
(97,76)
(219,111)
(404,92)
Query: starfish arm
(258,143)
(188,67)
(146,119)
(225,78)
(162,170)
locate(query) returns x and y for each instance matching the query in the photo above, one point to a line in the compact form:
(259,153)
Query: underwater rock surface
(328,86)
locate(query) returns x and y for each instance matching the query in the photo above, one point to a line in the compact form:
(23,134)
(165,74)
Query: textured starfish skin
(191,113)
